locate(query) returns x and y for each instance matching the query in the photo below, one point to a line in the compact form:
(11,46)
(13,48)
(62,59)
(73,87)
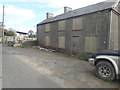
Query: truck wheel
(105,70)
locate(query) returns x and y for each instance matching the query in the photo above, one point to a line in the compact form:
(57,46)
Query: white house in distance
(21,35)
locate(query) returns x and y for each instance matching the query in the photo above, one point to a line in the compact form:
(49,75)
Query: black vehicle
(107,64)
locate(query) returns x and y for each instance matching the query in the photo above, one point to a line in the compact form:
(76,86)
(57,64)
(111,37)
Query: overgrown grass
(4,42)
(107,81)
(24,46)
(83,58)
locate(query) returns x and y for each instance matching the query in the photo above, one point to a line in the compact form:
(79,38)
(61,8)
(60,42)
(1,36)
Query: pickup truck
(107,64)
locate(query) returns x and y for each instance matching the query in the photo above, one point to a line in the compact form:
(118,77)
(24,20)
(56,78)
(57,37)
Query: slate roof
(83,11)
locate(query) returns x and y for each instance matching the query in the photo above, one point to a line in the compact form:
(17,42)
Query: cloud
(20,14)
(58,12)
(16,15)
(59,3)
(70,3)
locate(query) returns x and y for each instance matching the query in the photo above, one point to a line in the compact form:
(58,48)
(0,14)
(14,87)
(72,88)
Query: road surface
(0,66)
(18,74)
(31,68)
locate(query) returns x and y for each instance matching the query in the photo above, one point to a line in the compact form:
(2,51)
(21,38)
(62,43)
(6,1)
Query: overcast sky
(23,15)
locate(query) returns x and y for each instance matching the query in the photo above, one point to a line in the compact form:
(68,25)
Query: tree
(5,32)
(8,33)
(31,33)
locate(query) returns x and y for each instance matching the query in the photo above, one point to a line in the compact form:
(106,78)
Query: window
(61,25)
(90,44)
(77,23)
(47,27)
(62,42)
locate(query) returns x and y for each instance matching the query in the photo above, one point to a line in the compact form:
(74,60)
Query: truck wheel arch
(98,59)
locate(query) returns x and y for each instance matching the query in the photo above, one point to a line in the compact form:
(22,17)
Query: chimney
(49,15)
(67,9)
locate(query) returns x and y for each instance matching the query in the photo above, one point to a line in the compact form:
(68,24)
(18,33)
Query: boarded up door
(75,45)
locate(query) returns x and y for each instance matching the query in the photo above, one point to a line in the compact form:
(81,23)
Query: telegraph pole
(3,25)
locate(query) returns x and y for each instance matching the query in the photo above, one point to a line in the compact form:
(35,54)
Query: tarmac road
(0,66)
(31,68)
(18,74)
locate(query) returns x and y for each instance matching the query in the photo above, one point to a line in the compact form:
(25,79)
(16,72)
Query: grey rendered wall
(41,35)
(114,30)
(68,36)
(113,43)
(98,25)
(53,35)
(94,25)
(119,27)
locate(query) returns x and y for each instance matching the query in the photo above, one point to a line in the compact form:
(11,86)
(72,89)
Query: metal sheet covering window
(47,41)
(62,42)
(90,44)
(61,25)
(77,23)
(47,27)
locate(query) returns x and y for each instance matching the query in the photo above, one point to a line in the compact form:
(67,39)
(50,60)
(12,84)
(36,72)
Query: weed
(110,82)
(83,58)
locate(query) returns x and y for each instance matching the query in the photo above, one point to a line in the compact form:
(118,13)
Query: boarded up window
(61,25)
(47,41)
(77,23)
(90,44)
(47,27)
(62,42)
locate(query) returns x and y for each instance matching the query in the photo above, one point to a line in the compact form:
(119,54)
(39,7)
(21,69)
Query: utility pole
(3,25)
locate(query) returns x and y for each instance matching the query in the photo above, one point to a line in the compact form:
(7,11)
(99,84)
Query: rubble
(45,49)
(17,45)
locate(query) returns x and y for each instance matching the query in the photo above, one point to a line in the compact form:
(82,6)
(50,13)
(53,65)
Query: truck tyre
(105,70)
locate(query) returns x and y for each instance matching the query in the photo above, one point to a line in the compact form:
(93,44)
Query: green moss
(108,81)
(24,46)
(83,58)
